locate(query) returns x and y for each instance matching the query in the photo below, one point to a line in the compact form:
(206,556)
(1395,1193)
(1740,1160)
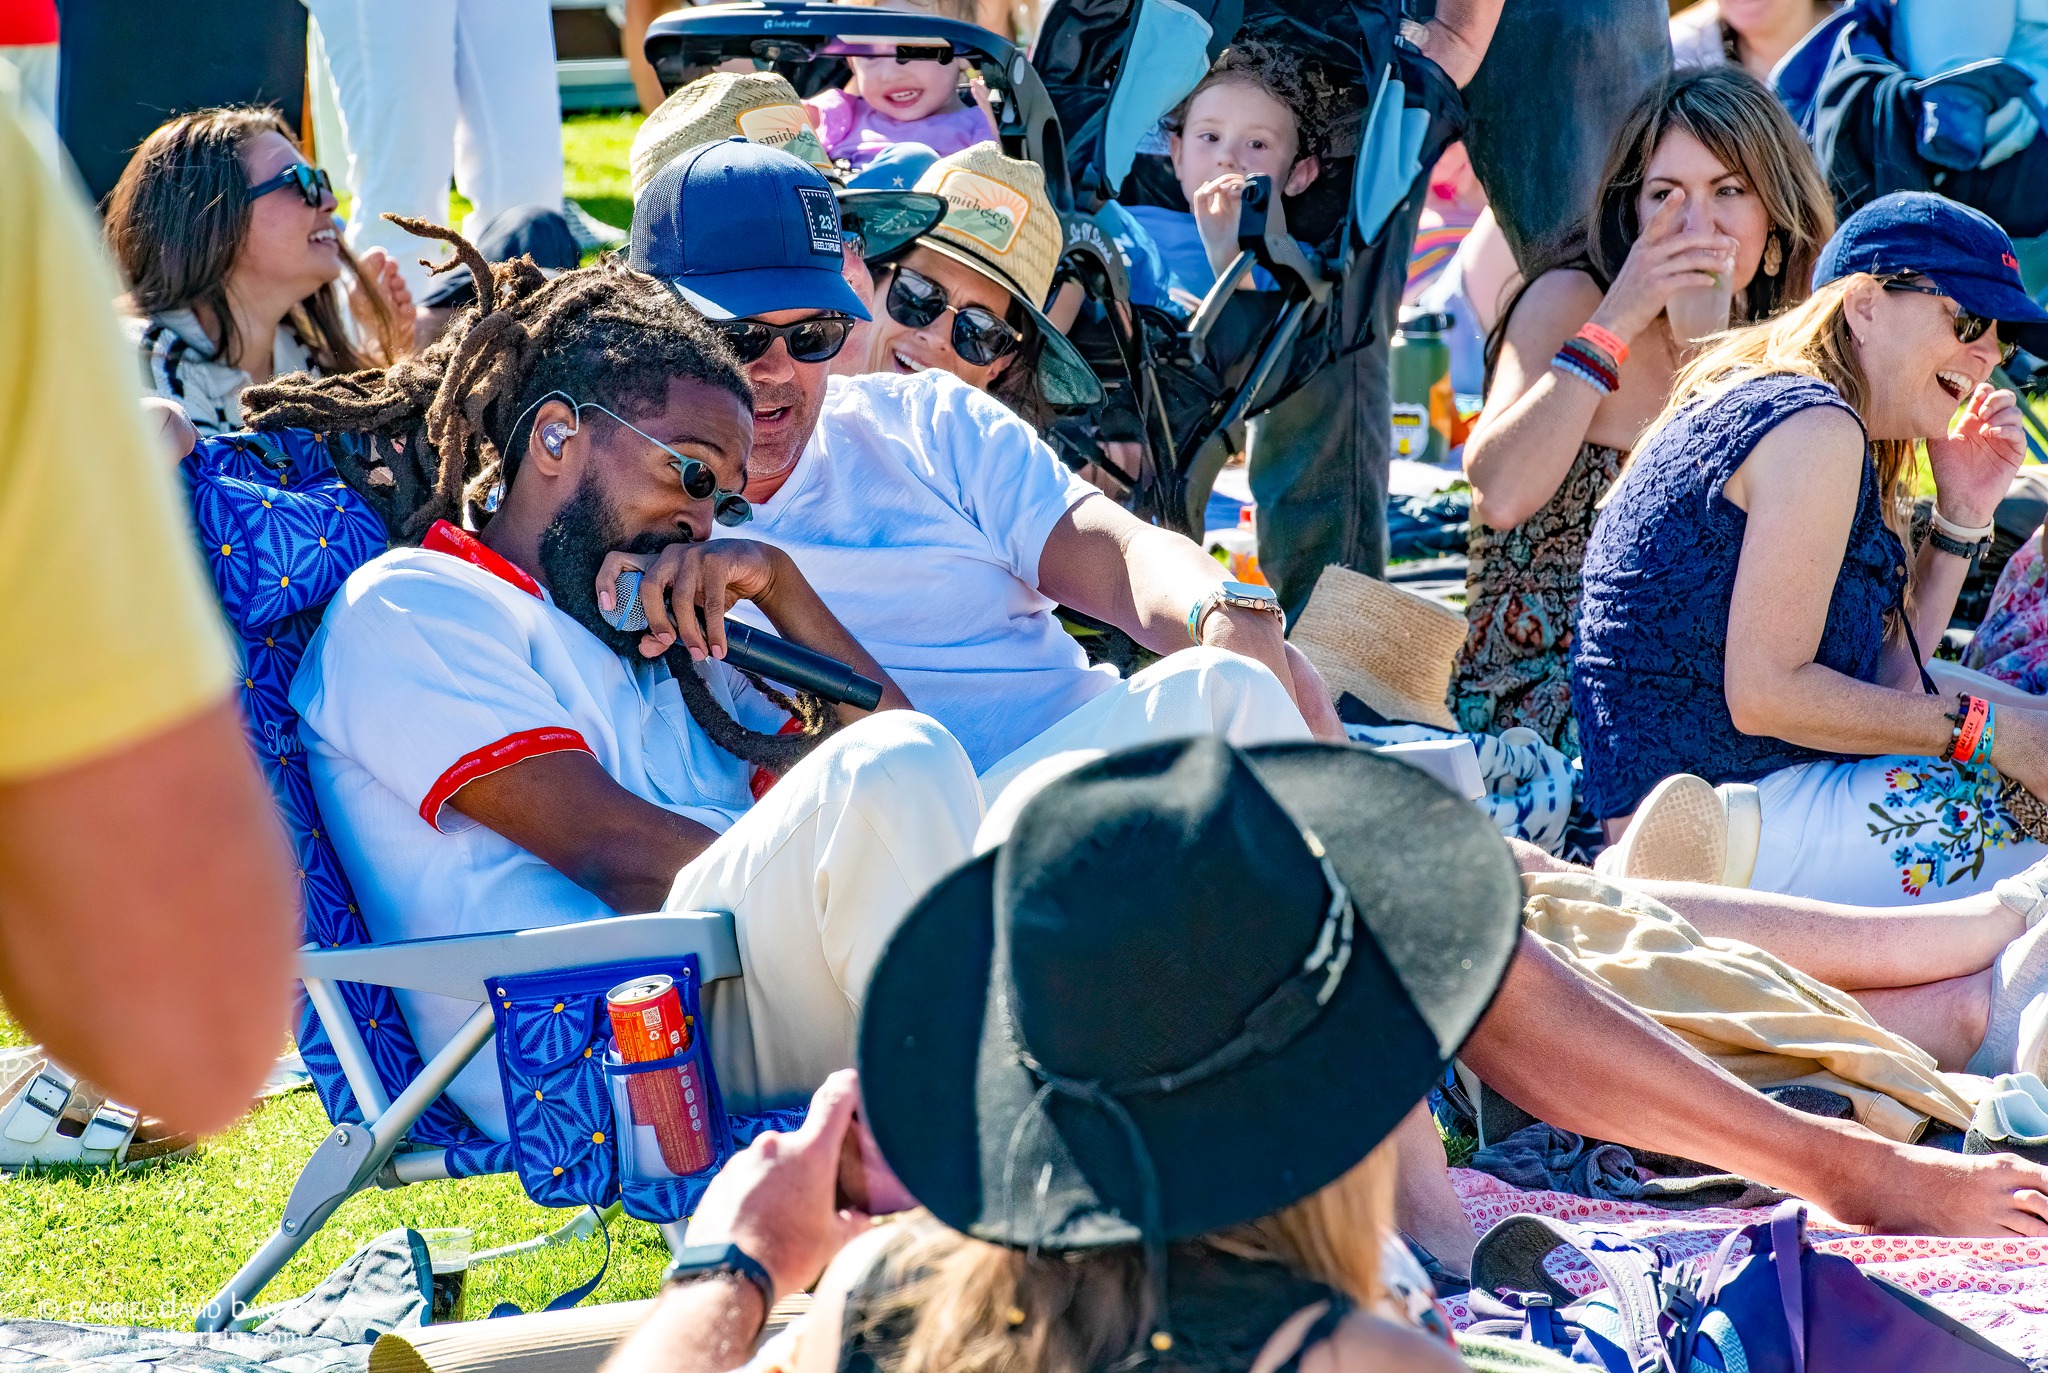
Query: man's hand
(1457,39)
(712,576)
(777,1198)
(1312,697)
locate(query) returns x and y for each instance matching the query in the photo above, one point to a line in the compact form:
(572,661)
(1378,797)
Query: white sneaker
(1688,830)
(2025,894)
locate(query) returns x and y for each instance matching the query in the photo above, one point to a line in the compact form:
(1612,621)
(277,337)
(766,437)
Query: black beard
(572,549)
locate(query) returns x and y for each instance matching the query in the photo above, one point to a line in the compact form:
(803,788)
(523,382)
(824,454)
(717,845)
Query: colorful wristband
(1573,365)
(1613,344)
(1968,735)
(1983,750)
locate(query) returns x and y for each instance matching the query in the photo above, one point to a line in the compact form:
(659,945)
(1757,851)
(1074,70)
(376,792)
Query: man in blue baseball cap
(1961,251)
(938,525)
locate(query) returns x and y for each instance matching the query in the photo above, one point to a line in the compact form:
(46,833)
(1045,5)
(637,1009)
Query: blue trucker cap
(739,228)
(1962,250)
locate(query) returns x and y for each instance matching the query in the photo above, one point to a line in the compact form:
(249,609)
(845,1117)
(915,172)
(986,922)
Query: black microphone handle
(755,650)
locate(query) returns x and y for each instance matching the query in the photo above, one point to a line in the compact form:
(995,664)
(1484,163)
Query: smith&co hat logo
(821,213)
(784,127)
(983,209)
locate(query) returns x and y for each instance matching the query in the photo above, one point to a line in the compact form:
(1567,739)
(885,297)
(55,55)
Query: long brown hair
(982,1308)
(1747,130)
(178,218)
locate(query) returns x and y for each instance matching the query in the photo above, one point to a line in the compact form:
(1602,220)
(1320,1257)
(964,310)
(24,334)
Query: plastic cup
(1701,311)
(448,1253)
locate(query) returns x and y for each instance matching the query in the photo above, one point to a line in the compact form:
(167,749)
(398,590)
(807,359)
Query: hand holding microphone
(710,577)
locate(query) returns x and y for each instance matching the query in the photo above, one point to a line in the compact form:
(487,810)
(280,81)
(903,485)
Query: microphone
(758,651)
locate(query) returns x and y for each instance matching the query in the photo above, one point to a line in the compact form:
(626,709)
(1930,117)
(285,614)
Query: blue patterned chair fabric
(281,533)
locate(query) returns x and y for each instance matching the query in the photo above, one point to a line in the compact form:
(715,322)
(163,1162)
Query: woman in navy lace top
(1750,612)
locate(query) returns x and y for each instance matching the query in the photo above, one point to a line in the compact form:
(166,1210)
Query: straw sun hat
(762,107)
(1392,649)
(1000,222)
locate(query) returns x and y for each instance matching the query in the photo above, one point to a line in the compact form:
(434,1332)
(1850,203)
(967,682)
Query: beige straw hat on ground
(1000,222)
(758,106)
(1390,648)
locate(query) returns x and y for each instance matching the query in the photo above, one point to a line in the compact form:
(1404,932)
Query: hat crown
(759,106)
(1918,231)
(1142,916)
(999,214)
(733,206)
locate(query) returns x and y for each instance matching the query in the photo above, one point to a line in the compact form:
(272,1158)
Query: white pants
(817,876)
(1886,832)
(430,88)
(1197,691)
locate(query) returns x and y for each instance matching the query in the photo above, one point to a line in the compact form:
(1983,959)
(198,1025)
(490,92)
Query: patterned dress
(1521,602)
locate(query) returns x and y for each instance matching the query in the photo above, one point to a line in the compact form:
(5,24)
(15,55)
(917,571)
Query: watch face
(1249,591)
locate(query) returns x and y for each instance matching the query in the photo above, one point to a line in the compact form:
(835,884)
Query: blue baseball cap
(739,229)
(1962,250)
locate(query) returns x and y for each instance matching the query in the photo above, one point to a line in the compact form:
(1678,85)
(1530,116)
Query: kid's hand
(1216,211)
(1667,258)
(711,577)
(1974,463)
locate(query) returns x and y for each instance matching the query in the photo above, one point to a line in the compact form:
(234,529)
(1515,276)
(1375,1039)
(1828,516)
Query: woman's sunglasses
(1969,327)
(311,183)
(818,339)
(980,336)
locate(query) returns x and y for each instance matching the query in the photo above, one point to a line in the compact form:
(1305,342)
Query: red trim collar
(458,543)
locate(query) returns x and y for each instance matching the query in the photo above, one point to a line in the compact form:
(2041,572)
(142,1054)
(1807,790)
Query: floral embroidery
(1941,819)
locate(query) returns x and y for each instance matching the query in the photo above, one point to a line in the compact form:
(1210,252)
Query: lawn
(594,168)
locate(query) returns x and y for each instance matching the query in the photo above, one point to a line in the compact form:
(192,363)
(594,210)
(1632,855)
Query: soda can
(648,1025)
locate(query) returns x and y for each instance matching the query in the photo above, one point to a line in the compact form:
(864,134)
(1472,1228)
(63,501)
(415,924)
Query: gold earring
(1774,256)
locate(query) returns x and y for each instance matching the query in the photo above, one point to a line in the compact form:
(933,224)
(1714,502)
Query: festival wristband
(1968,735)
(1613,344)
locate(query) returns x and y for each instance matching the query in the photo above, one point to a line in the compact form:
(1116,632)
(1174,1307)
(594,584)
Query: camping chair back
(281,533)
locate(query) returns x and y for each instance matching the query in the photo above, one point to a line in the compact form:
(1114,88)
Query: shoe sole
(1679,835)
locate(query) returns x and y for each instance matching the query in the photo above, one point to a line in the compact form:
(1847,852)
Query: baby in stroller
(894,99)
(1260,111)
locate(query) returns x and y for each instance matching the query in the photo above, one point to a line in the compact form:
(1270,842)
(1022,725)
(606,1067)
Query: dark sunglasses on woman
(818,339)
(1969,327)
(980,336)
(311,183)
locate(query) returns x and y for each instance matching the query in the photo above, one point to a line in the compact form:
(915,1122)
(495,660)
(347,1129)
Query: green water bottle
(1424,407)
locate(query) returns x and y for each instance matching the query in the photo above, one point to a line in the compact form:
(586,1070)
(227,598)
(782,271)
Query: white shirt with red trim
(437,665)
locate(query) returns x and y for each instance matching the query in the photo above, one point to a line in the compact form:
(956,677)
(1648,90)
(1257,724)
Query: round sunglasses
(817,339)
(979,335)
(311,183)
(1969,327)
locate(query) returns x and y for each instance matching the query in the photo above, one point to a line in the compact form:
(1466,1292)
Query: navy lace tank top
(1647,666)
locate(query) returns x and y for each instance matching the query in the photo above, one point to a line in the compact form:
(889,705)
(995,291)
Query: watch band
(707,1260)
(1954,547)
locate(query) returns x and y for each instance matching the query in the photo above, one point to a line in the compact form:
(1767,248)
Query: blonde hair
(1081,1311)
(1811,339)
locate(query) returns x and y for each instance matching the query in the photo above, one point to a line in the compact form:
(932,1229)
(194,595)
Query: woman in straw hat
(967,297)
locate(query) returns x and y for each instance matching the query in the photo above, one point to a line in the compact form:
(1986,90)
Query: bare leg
(1851,947)
(1573,1054)
(1947,1019)
(1425,1207)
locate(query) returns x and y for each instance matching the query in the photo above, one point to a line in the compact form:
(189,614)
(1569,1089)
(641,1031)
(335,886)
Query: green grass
(594,167)
(149,1246)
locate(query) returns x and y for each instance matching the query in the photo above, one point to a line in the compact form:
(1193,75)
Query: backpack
(1784,1308)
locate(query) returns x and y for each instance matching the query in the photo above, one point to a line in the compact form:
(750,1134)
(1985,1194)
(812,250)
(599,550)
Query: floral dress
(1521,603)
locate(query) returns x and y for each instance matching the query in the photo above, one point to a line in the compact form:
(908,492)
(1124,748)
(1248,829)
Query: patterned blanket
(1998,1288)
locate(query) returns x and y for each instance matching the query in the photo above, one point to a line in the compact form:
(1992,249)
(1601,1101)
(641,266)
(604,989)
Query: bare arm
(158,873)
(633,40)
(1105,562)
(566,810)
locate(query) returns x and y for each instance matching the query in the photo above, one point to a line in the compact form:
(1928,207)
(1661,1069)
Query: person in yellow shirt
(146,894)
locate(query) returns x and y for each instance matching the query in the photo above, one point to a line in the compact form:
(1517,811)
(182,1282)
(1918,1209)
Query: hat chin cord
(1284,1016)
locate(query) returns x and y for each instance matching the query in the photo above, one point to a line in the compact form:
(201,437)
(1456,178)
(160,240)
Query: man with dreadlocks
(484,756)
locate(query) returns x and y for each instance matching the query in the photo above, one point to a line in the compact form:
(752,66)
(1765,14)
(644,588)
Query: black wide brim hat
(1141,908)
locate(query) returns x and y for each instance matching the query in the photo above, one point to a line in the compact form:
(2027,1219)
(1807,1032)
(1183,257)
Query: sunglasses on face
(809,340)
(310,182)
(979,335)
(729,508)
(1969,328)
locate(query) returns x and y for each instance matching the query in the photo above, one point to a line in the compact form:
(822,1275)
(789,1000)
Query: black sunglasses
(818,339)
(980,336)
(1969,327)
(310,182)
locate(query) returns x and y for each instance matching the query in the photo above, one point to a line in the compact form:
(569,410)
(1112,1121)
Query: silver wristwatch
(1240,595)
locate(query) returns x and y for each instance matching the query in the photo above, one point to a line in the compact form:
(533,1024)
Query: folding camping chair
(282,532)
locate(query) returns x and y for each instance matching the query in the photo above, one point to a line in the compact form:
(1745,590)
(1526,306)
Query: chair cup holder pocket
(667,1129)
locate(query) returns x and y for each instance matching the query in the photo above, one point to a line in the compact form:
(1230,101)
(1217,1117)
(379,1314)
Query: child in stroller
(894,98)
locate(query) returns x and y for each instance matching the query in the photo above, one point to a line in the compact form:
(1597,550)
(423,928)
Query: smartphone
(865,1182)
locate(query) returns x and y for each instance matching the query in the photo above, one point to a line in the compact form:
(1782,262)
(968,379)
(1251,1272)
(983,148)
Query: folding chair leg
(672,1232)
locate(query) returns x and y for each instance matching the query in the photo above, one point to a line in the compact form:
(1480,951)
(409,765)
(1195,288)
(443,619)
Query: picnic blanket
(1997,1287)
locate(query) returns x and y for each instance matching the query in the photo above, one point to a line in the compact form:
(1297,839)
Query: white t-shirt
(918,512)
(435,666)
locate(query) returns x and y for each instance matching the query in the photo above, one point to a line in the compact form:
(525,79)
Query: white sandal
(48,1116)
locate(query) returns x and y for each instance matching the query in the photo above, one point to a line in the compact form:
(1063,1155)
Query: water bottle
(1424,408)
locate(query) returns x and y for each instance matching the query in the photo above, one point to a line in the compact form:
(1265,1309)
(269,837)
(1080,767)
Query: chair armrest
(458,965)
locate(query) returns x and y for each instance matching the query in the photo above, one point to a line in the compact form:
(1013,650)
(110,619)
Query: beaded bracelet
(1589,364)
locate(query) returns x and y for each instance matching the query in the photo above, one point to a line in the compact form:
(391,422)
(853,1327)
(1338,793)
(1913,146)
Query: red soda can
(649,1025)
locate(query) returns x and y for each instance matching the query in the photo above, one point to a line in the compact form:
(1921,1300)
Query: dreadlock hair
(429,437)
(1284,74)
